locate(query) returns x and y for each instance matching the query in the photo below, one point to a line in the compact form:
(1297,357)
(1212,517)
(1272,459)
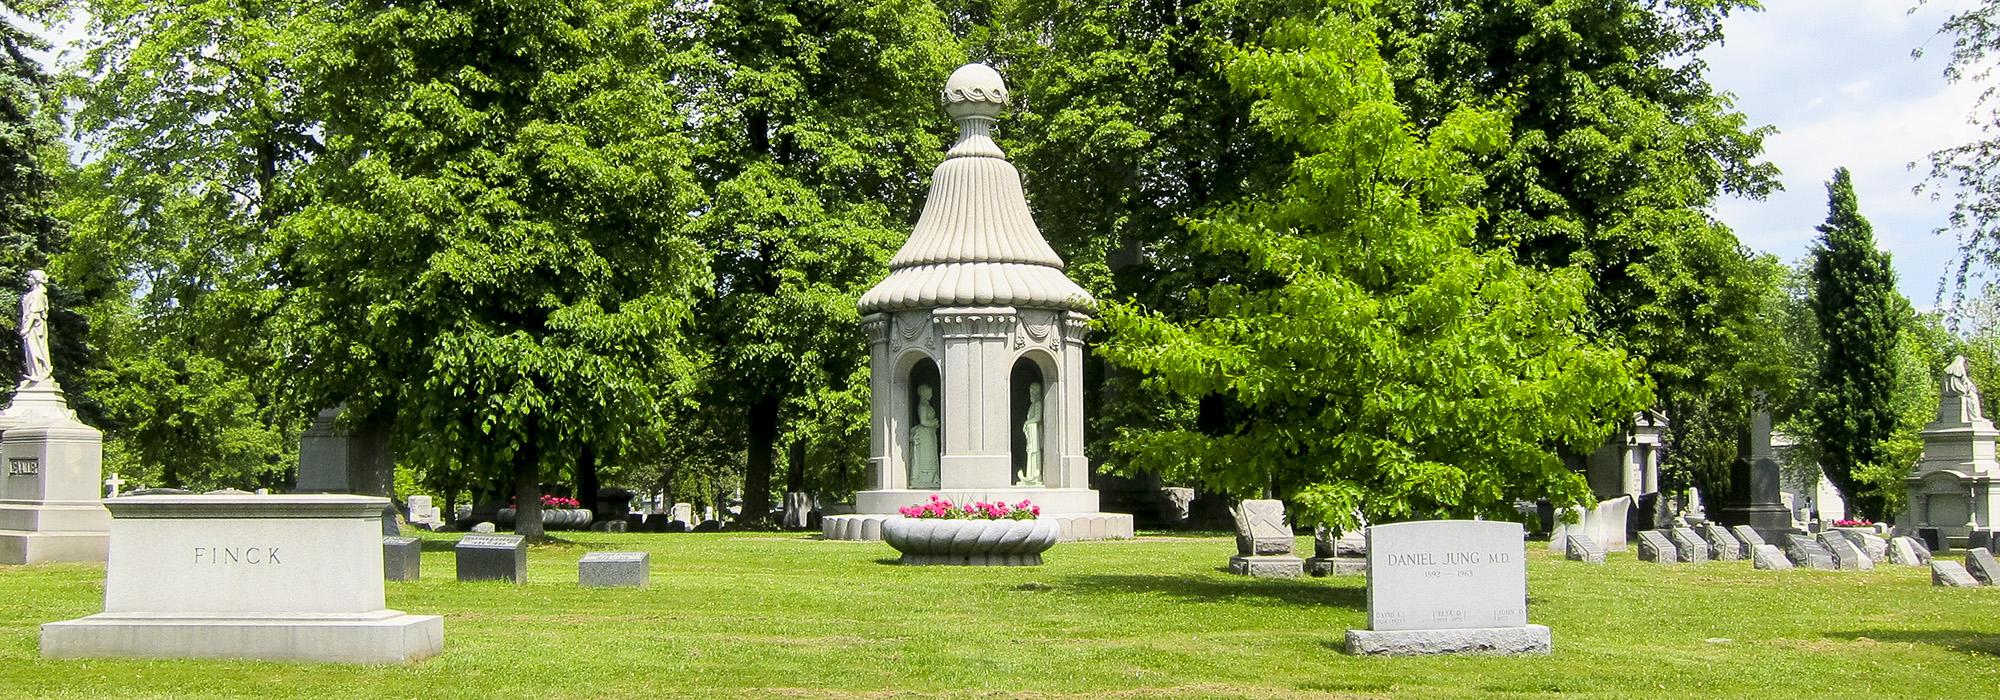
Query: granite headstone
(493,558)
(1808,554)
(1722,546)
(1979,562)
(1951,574)
(1445,587)
(1769,558)
(1583,550)
(628,569)
(402,558)
(1656,548)
(1690,546)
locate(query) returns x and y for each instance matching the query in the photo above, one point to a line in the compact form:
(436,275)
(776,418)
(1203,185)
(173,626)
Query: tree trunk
(586,479)
(757,471)
(528,494)
(795,469)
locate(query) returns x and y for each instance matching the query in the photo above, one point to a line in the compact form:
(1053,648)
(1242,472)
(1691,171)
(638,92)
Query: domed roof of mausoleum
(976,244)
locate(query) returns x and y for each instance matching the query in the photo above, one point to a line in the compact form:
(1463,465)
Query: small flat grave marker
(1769,558)
(1979,562)
(1747,536)
(402,558)
(614,569)
(1690,545)
(1722,546)
(1655,547)
(1903,552)
(1447,587)
(1807,554)
(493,558)
(1846,555)
(1951,574)
(1580,548)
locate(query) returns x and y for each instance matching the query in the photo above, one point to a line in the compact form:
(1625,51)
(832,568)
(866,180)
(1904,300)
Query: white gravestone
(295,578)
(50,495)
(1446,587)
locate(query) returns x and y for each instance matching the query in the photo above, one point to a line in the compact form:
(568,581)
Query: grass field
(764,615)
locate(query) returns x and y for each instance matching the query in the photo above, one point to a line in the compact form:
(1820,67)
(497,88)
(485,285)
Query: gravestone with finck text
(1447,587)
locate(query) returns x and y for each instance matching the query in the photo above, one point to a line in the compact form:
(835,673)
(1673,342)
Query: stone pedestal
(333,459)
(1755,498)
(51,507)
(292,578)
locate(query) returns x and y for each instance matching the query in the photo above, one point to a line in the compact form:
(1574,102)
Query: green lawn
(764,615)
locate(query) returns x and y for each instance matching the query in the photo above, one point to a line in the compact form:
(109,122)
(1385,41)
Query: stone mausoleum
(976,342)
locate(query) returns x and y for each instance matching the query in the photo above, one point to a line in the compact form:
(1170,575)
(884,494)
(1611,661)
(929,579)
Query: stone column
(1754,484)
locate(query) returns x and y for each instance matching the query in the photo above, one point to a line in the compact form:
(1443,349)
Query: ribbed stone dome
(976,244)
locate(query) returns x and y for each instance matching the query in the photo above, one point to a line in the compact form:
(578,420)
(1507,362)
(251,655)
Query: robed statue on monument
(35,367)
(1958,386)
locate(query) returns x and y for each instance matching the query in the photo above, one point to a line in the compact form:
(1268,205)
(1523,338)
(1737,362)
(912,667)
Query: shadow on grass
(1193,588)
(1975,643)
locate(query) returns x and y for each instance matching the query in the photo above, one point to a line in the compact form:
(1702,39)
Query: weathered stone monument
(1956,486)
(1846,556)
(51,508)
(1628,464)
(424,514)
(976,342)
(1747,536)
(1981,564)
(1754,498)
(614,569)
(1903,552)
(1722,546)
(1448,587)
(1808,554)
(1341,555)
(252,577)
(798,511)
(1690,546)
(1951,574)
(492,558)
(1580,548)
(335,459)
(402,558)
(1264,541)
(1656,548)
(1768,557)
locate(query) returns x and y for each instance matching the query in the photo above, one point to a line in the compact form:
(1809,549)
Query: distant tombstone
(1722,546)
(1559,531)
(683,512)
(1447,587)
(334,459)
(1656,548)
(1903,552)
(1690,546)
(1808,554)
(1846,556)
(402,558)
(1951,574)
(1923,550)
(1606,524)
(1264,541)
(493,558)
(1176,505)
(484,529)
(1747,536)
(1580,548)
(291,578)
(1769,558)
(1875,547)
(709,526)
(1980,563)
(798,511)
(614,569)
(1340,555)
(423,513)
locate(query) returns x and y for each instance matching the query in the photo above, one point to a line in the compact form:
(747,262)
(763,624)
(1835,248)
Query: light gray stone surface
(1722,546)
(629,569)
(51,492)
(1979,562)
(484,529)
(1272,566)
(1846,555)
(1526,639)
(402,558)
(1747,536)
(1903,553)
(294,578)
(1261,529)
(492,558)
(1656,548)
(1580,548)
(1808,554)
(1443,574)
(1176,504)
(1689,545)
(798,511)
(1872,545)
(1769,558)
(1336,566)
(1951,574)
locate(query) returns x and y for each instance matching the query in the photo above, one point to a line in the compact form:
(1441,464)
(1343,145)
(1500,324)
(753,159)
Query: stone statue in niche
(1958,386)
(1031,431)
(35,367)
(924,442)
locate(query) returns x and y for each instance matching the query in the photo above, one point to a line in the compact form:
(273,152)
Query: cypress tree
(1856,304)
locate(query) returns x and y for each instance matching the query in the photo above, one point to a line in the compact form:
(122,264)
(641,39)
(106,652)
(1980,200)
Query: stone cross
(114,482)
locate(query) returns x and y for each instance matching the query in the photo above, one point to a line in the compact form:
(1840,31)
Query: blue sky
(1837,80)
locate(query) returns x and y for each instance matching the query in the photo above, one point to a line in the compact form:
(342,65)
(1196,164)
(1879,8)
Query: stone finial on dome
(974,90)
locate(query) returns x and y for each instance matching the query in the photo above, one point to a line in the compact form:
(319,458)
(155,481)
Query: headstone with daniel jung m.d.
(1447,587)
(1656,548)
(492,558)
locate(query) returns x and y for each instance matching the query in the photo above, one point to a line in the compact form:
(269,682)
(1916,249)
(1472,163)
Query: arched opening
(926,434)
(1027,423)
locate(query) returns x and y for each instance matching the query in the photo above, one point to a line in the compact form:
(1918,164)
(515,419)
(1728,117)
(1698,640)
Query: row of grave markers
(505,558)
(1836,550)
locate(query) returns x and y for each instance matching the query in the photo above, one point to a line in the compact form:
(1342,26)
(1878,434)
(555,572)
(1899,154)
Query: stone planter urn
(928,541)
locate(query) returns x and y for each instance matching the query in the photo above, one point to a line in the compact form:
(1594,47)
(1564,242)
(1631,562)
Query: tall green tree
(1969,173)
(498,253)
(1381,364)
(817,121)
(1860,318)
(193,129)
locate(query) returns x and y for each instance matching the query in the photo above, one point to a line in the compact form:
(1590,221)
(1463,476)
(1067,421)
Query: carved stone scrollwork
(974,324)
(876,326)
(1037,327)
(1075,327)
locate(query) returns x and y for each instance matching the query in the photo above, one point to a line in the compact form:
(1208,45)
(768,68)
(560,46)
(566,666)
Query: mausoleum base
(1277,566)
(383,637)
(22,547)
(1499,641)
(1076,527)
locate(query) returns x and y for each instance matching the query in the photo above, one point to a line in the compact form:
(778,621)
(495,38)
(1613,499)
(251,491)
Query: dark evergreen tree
(1860,314)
